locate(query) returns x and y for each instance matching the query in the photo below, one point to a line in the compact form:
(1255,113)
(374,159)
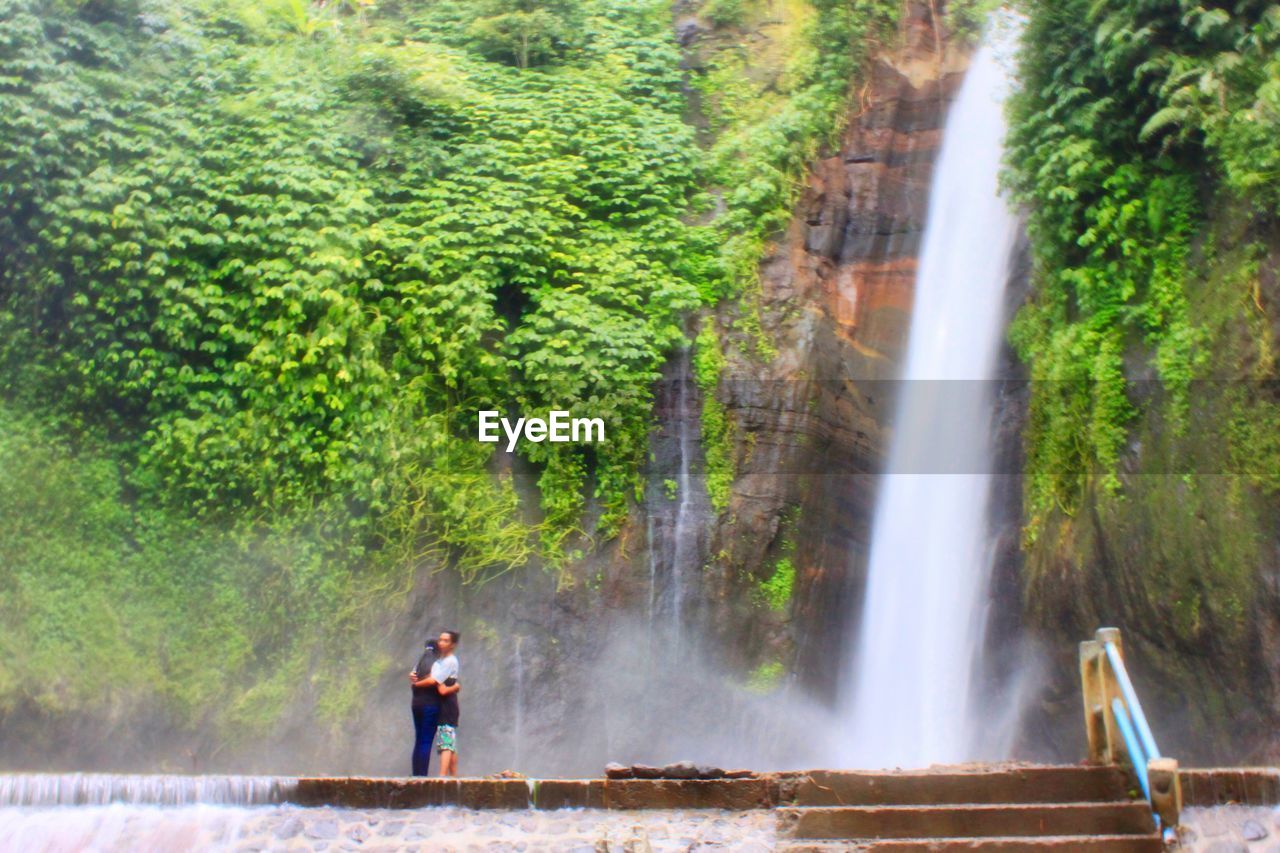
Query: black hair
(455,636)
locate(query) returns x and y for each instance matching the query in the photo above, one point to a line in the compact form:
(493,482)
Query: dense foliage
(1122,106)
(271,260)
(263,262)
(1144,145)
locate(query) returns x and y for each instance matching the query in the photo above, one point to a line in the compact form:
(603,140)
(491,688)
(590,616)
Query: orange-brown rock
(812,424)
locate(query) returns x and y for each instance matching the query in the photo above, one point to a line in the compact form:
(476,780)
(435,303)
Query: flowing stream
(911,694)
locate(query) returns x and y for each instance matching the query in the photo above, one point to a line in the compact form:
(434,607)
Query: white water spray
(912,689)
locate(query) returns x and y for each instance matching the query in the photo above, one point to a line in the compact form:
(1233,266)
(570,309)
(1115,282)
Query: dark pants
(424,732)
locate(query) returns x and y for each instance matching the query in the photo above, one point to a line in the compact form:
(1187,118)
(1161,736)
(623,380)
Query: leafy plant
(263,265)
(777,589)
(725,13)
(525,32)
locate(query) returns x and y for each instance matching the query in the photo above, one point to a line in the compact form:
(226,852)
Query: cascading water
(674,526)
(107,811)
(910,694)
(99,789)
(682,548)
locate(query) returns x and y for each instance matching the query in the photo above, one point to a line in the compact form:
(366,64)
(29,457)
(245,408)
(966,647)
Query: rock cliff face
(1185,558)
(811,426)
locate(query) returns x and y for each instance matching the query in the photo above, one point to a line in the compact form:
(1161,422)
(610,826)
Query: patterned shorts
(447,739)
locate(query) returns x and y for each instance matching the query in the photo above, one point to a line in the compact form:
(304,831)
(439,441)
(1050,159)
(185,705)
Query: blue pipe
(1133,746)
(1131,700)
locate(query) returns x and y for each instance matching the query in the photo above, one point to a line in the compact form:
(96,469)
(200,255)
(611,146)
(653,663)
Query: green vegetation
(524,32)
(263,263)
(670,489)
(339,251)
(773,103)
(777,590)
(1145,144)
(1119,109)
(215,625)
(966,18)
(725,13)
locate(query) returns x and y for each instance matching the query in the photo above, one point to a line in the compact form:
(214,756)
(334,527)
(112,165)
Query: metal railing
(1117,728)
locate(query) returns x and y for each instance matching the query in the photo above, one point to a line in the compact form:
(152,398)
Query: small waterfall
(683,551)
(100,789)
(678,508)
(912,699)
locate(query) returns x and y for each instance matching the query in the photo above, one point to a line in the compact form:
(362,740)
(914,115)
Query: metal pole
(1133,746)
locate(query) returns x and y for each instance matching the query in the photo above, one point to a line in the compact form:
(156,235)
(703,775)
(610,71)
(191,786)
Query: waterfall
(911,690)
(682,549)
(678,509)
(83,789)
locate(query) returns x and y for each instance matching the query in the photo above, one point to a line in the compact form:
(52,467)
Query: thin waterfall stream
(911,694)
(682,548)
(677,509)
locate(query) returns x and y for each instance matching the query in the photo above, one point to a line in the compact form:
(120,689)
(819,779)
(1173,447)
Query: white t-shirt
(445,668)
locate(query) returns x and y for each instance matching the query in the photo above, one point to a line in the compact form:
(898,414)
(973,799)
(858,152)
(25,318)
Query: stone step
(965,821)
(1022,844)
(967,784)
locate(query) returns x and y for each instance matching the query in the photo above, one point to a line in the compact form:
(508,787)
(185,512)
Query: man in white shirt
(444,674)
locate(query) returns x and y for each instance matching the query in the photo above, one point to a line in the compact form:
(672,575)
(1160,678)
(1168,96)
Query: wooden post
(1110,689)
(1166,790)
(1092,659)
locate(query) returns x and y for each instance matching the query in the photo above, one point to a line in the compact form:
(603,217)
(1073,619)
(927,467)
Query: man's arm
(425,682)
(447,689)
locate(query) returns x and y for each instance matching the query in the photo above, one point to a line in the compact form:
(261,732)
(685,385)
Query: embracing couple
(435,705)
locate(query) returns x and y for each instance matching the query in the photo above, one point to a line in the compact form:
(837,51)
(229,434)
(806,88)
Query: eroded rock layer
(811,424)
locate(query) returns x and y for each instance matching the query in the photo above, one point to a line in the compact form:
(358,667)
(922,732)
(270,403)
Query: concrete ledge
(967,821)
(355,792)
(1216,786)
(408,793)
(1200,787)
(1017,844)
(569,794)
(996,784)
(728,794)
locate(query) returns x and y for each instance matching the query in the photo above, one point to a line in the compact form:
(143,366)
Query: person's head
(448,642)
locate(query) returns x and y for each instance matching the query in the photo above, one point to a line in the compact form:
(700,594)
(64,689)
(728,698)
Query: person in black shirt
(426,710)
